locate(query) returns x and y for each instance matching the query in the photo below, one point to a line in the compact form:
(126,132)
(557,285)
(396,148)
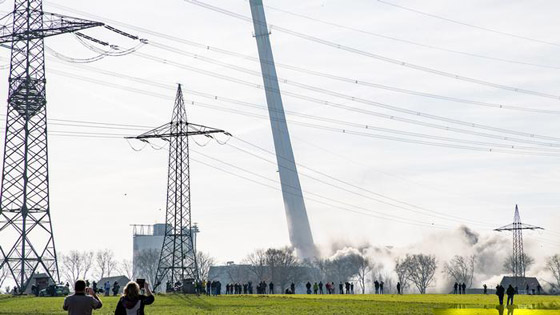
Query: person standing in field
(271,288)
(398,288)
(464,288)
(293,288)
(485,289)
(500,293)
(83,301)
(321,287)
(308,287)
(510,293)
(381,287)
(131,302)
(107,288)
(341,288)
(376,285)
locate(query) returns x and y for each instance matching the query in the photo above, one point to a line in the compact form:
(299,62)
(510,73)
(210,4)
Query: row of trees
(76,265)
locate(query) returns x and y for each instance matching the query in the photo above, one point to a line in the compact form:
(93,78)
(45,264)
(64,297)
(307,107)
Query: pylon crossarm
(53,24)
(169,130)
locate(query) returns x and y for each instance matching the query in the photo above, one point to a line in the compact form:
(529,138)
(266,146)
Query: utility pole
(26,234)
(294,204)
(177,261)
(518,256)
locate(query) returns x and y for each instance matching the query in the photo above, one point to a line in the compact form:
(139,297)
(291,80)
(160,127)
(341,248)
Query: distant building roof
(521,282)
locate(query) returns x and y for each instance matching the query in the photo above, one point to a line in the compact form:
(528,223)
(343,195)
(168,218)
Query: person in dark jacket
(132,302)
(500,293)
(510,293)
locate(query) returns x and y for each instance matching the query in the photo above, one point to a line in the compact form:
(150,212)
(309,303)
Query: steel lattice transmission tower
(177,260)
(26,235)
(518,256)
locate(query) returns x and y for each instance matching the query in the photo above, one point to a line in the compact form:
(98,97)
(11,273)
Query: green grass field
(298,304)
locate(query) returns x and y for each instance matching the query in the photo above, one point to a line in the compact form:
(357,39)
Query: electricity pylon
(177,260)
(26,234)
(518,256)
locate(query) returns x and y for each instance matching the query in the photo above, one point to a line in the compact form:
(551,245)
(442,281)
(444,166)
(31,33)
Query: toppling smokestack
(296,214)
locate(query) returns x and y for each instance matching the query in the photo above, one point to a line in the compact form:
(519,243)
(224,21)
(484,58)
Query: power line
(344,79)
(469,25)
(376,56)
(313,72)
(359,110)
(409,41)
(321,127)
(365,101)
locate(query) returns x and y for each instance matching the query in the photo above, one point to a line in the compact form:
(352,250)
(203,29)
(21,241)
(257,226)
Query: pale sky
(100,186)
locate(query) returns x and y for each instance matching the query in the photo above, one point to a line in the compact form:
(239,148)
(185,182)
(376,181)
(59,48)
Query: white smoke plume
(490,250)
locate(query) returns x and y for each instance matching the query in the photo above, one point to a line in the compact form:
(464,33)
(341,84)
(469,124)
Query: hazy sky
(100,186)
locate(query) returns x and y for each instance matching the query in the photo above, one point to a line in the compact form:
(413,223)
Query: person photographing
(83,301)
(133,300)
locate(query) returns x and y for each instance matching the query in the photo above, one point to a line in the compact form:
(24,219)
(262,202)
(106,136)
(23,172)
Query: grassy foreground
(293,304)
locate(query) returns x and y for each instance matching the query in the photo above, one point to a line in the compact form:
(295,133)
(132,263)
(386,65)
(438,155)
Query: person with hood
(131,302)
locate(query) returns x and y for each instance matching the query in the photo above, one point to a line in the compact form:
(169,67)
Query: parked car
(59,290)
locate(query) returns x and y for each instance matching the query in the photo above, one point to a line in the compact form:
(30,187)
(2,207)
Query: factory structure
(150,237)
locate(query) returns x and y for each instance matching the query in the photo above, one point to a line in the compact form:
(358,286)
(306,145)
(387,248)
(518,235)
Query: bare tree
(363,267)
(420,270)
(402,274)
(257,265)
(553,264)
(461,269)
(76,265)
(509,263)
(283,266)
(105,263)
(125,268)
(205,261)
(146,264)
(342,268)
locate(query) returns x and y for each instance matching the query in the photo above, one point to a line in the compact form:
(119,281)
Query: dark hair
(131,290)
(80,285)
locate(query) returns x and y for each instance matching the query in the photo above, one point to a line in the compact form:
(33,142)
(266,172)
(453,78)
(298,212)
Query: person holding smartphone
(132,301)
(83,301)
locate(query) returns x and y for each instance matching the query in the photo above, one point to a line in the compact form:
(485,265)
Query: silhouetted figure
(500,293)
(341,288)
(381,287)
(94,286)
(376,285)
(308,286)
(455,288)
(352,287)
(293,288)
(208,287)
(116,288)
(398,288)
(510,293)
(321,287)
(464,288)
(271,288)
(485,289)
(347,286)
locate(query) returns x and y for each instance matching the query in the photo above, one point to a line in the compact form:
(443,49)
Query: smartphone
(141,283)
